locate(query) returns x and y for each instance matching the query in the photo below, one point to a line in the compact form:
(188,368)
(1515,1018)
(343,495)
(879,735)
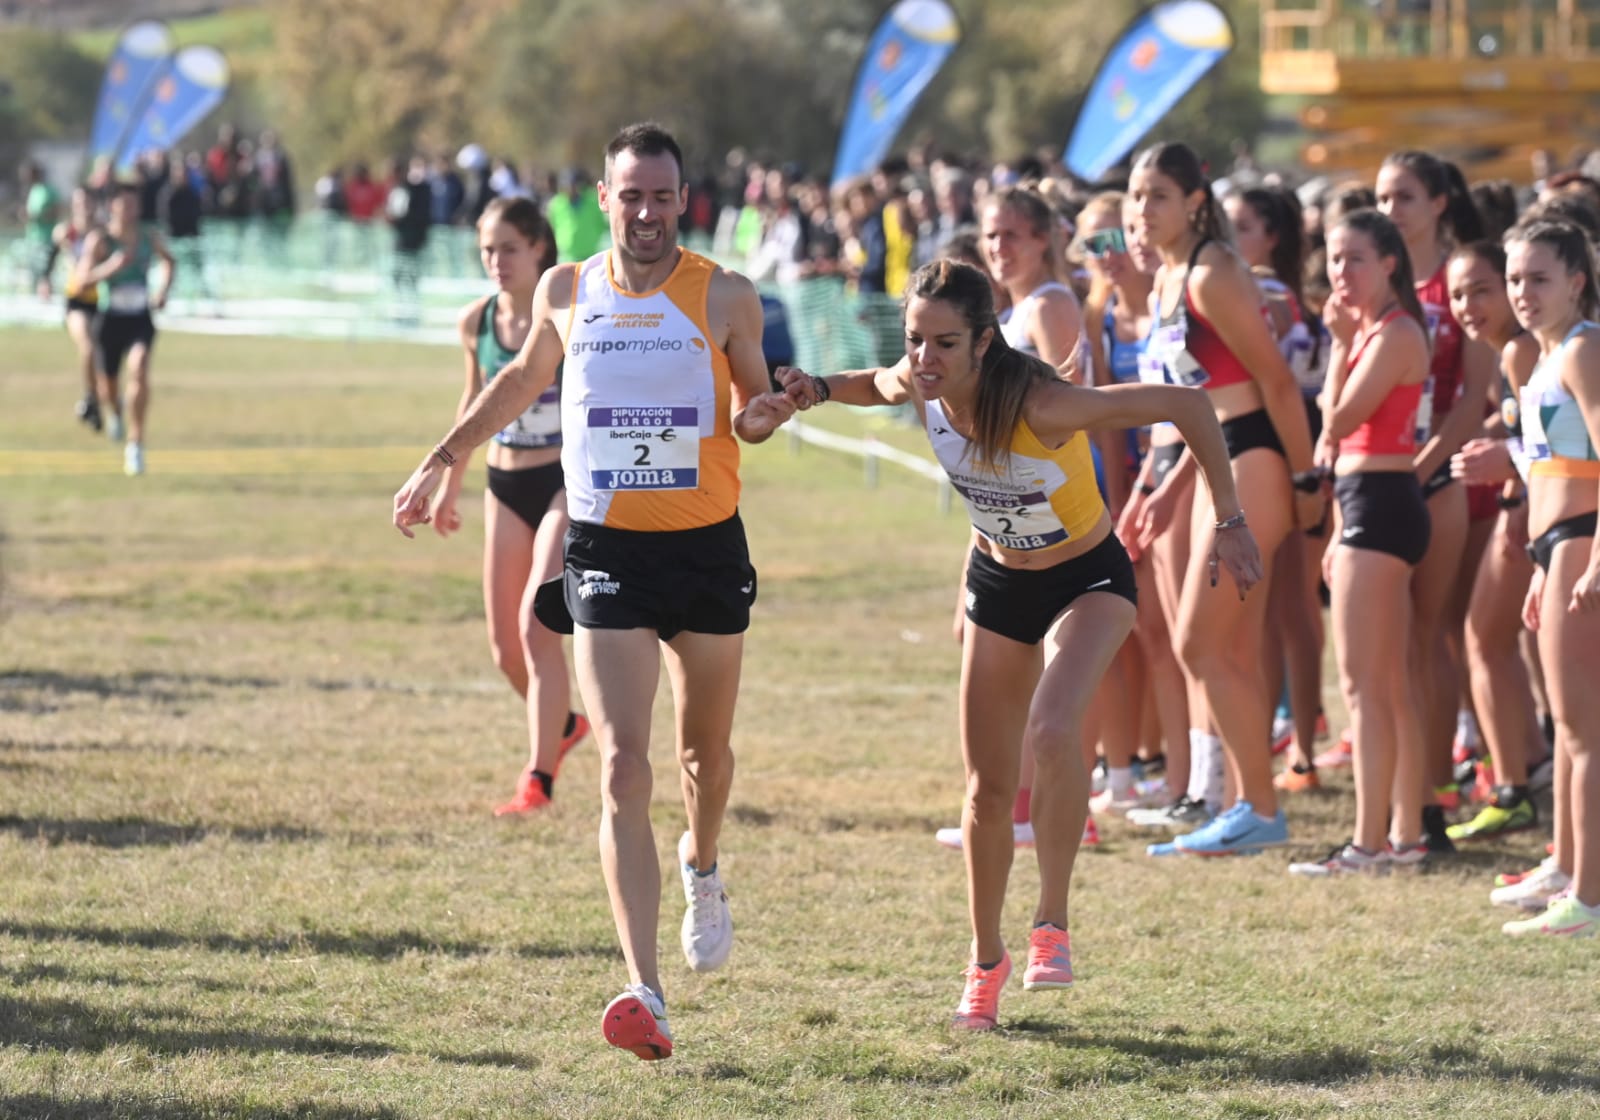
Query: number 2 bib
(644,447)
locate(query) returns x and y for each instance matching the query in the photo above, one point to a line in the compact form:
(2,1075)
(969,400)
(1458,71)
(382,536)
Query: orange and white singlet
(647,435)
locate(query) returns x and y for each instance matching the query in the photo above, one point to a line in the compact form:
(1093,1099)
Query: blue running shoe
(1235,832)
(1167,848)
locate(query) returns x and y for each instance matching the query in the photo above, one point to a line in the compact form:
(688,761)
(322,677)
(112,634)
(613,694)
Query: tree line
(549,81)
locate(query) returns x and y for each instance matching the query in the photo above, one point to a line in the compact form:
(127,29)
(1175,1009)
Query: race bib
(128,299)
(644,448)
(538,426)
(1425,412)
(1170,345)
(1152,370)
(1535,442)
(1023,522)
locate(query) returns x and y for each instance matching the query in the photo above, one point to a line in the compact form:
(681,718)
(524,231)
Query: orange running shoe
(979,1009)
(529,798)
(1290,780)
(1049,959)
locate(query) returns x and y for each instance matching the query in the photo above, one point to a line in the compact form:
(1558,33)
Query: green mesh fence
(320,276)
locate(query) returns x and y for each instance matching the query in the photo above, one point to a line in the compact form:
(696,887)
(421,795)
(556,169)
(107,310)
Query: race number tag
(1535,442)
(128,299)
(645,448)
(1018,521)
(1425,412)
(1170,345)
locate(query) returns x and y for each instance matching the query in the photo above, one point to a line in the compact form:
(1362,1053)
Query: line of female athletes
(1204,358)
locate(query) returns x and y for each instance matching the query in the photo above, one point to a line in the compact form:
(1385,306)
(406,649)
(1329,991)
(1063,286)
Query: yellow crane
(1487,83)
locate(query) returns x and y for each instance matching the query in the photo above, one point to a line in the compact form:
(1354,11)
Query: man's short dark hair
(647,138)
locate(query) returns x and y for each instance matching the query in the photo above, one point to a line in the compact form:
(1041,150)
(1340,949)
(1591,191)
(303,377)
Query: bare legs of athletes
(1372,618)
(1569,648)
(1221,633)
(516,560)
(1013,692)
(617,672)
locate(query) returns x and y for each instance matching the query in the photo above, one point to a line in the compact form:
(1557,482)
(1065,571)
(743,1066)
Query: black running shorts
(1023,603)
(696,580)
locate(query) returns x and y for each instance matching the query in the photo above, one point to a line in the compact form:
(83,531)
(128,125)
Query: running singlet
(645,403)
(1444,372)
(1553,432)
(1033,498)
(1014,322)
(1392,427)
(1301,347)
(540,424)
(1188,347)
(126,291)
(1123,357)
(71,288)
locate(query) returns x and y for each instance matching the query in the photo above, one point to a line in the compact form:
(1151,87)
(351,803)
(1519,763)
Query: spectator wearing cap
(575,217)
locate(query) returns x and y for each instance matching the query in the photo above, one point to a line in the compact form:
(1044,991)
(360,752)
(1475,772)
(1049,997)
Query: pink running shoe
(979,1009)
(1091,834)
(636,1021)
(1340,754)
(1049,960)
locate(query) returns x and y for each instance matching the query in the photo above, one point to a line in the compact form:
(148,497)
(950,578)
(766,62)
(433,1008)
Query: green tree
(53,86)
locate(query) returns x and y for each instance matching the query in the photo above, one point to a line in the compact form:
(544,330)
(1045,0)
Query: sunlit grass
(250,738)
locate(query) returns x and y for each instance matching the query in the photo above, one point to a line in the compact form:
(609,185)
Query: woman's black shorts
(1384,511)
(1250,431)
(527,491)
(1023,603)
(1578,527)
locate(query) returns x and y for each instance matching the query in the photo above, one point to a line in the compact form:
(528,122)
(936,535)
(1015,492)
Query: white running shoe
(133,460)
(707,924)
(1536,890)
(1021,833)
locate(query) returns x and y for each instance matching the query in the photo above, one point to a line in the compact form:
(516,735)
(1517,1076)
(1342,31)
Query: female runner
(1050,589)
(1550,276)
(525,506)
(1210,332)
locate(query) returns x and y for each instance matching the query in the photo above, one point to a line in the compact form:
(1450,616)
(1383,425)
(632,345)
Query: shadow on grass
(1319,1065)
(387,945)
(68,1026)
(33,1105)
(141,684)
(172,688)
(142,832)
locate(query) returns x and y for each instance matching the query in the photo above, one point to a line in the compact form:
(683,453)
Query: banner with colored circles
(135,61)
(186,88)
(911,43)
(1163,52)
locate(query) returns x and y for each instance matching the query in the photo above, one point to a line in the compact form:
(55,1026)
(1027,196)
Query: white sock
(1207,768)
(1119,780)
(1216,770)
(1467,733)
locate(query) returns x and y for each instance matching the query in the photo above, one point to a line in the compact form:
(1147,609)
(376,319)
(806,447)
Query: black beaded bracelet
(822,389)
(1512,502)
(1146,489)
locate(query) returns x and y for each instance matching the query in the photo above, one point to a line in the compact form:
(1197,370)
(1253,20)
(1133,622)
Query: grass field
(250,738)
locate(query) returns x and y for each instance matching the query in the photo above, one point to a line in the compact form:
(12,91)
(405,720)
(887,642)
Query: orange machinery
(1487,83)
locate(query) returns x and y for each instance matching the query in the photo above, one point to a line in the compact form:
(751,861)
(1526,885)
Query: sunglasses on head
(1102,243)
